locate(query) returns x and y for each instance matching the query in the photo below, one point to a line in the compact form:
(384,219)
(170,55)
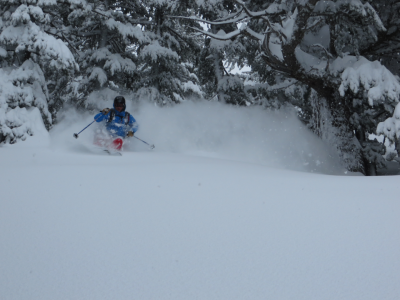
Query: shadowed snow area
(225,207)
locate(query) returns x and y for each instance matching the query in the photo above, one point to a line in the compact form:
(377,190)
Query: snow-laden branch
(354,8)
(116,15)
(391,126)
(33,39)
(127,30)
(235,20)
(228,36)
(374,79)
(273,9)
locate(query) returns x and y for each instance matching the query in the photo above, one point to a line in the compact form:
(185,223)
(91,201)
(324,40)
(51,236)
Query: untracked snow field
(231,204)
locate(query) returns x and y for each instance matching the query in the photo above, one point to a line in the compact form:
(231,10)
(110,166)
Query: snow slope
(204,216)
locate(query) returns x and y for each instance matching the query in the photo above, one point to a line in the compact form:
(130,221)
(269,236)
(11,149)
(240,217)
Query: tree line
(335,61)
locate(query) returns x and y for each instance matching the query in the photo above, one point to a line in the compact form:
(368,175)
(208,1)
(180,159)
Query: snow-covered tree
(386,47)
(166,63)
(102,35)
(26,48)
(318,44)
(218,57)
(390,128)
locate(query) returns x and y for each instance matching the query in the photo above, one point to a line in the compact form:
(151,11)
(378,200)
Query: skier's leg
(117,144)
(102,138)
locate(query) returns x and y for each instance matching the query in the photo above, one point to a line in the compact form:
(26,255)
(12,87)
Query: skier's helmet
(118,101)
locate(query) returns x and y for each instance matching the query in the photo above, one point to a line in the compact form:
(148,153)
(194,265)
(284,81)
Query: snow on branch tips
(113,62)
(363,75)
(99,75)
(128,30)
(31,38)
(390,128)
(354,8)
(156,51)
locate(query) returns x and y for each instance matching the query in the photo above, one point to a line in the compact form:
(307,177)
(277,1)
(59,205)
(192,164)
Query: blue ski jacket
(117,126)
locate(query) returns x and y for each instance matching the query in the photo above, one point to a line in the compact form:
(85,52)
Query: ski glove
(105,111)
(130,134)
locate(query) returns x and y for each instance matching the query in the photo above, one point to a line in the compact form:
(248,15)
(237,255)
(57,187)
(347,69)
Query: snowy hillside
(232,204)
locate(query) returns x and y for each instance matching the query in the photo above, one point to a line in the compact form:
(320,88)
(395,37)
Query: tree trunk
(369,167)
(104,30)
(332,124)
(397,146)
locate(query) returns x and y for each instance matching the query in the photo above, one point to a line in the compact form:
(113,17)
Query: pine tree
(103,35)
(217,57)
(25,49)
(166,63)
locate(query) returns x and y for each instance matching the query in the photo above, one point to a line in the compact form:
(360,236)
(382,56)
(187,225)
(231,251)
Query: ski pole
(151,146)
(76,135)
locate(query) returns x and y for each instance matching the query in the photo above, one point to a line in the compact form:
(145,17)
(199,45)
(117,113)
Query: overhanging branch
(226,37)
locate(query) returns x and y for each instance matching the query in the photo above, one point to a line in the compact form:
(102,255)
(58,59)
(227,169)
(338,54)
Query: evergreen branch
(210,22)
(271,89)
(381,43)
(227,73)
(231,16)
(127,18)
(225,37)
(315,25)
(323,48)
(86,34)
(63,37)
(258,14)
(70,44)
(100,13)
(275,64)
(247,31)
(180,36)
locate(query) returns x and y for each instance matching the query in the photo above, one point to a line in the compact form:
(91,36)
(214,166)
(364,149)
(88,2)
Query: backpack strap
(127,118)
(112,114)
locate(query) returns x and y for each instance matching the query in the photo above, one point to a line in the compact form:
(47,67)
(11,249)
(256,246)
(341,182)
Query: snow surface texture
(191,220)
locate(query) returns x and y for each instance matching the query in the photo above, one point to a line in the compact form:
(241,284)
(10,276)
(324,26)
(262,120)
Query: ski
(113,152)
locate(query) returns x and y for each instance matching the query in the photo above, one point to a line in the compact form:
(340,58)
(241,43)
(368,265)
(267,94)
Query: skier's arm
(100,116)
(133,125)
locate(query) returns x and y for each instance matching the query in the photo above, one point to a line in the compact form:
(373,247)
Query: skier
(118,124)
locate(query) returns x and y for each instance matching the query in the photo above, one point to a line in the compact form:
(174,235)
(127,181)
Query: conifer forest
(335,62)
